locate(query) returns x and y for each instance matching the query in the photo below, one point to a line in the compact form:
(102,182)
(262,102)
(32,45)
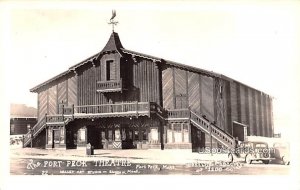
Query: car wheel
(285,161)
(266,161)
(230,157)
(248,159)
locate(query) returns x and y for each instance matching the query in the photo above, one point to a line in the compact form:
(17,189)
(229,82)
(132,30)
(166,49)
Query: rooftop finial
(111,21)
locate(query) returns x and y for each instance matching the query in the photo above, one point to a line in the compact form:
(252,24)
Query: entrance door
(94,137)
(127,137)
(198,139)
(56,138)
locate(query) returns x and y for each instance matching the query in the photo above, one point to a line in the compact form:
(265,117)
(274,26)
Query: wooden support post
(136,108)
(23,140)
(31,136)
(73,111)
(210,132)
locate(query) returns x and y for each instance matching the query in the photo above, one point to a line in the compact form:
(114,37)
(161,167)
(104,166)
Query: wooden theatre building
(121,99)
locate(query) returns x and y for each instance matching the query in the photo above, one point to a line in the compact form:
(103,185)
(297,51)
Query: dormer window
(110,80)
(110,70)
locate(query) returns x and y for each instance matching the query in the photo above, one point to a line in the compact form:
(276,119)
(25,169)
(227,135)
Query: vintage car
(253,151)
(282,152)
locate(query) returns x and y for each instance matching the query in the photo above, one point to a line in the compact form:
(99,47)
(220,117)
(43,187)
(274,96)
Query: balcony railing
(55,118)
(179,113)
(131,108)
(109,86)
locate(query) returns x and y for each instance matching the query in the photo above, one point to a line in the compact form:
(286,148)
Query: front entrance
(198,139)
(127,136)
(56,138)
(94,137)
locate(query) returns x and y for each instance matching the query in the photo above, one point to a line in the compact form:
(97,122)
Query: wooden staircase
(41,125)
(225,139)
(209,128)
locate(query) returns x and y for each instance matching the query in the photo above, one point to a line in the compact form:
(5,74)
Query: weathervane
(111,21)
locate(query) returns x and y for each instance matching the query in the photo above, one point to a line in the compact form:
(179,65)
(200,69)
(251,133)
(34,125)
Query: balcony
(124,109)
(176,114)
(110,86)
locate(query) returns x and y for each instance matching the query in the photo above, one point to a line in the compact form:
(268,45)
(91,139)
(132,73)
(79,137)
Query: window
(177,133)
(169,134)
(145,135)
(103,135)
(185,133)
(56,136)
(154,134)
(110,135)
(12,129)
(110,70)
(136,135)
(81,135)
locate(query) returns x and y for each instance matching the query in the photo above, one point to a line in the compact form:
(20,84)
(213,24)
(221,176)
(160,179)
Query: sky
(254,43)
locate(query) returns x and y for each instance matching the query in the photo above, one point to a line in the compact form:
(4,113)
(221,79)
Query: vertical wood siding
(100,76)
(193,91)
(219,105)
(255,113)
(247,111)
(207,101)
(234,105)
(251,112)
(258,112)
(180,86)
(270,116)
(42,106)
(62,92)
(238,102)
(180,82)
(243,104)
(72,90)
(52,100)
(266,127)
(146,80)
(227,98)
(167,88)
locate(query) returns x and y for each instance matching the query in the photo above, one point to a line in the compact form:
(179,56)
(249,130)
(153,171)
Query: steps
(35,131)
(204,125)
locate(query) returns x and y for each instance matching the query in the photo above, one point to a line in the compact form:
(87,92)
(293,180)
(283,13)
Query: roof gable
(114,45)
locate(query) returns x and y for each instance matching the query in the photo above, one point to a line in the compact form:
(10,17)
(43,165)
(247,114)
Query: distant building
(22,118)
(21,125)
(120,99)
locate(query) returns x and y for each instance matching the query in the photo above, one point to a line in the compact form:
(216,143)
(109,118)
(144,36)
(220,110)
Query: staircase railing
(42,124)
(34,131)
(221,136)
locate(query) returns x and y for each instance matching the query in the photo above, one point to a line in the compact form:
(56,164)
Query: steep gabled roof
(114,45)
